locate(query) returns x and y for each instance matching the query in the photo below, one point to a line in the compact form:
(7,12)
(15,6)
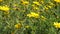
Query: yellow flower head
(33,14)
(46,8)
(17,26)
(25,2)
(1,0)
(4,8)
(56,24)
(57,1)
(36,3)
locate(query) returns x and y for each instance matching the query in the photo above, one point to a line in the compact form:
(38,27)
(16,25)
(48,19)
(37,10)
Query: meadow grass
(29,16)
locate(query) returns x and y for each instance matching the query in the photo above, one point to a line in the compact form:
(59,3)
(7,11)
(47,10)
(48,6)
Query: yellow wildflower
(36,3)
(25,2)
(18,26)
(4,8)
(56,24)
(33,14)
(35,7)
(46,8)
(1,0)
(57,1)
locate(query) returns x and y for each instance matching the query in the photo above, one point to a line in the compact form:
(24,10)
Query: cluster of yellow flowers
(47,7)
(33,14)
(56,24)
(4,8)
(57,1)
(36,3)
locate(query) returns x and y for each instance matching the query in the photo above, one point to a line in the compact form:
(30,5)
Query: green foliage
(18,14)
